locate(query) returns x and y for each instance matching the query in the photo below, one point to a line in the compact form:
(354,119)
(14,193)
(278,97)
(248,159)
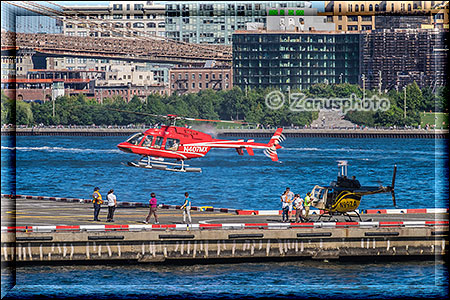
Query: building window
(356,7)
(409,7)
(138,16)
(207,85)
(340,8)
(207,76)
(117,17)
(370,7)
(200,85)
(193,85)
(377,7)
(340,18)
(200,76)
(213,76)
(362,7)
(366,18)
(352,27)
(117,7)
(352,18)
(161,25)
(173,76)
(349,7)
(151,25)
(138,6)
(138,25)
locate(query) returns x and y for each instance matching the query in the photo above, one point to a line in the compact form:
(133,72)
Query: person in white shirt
(186,207)
(298,206)
(284,207)
(290,198)
(112,204)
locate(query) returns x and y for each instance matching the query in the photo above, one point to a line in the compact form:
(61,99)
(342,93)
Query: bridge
(121,48)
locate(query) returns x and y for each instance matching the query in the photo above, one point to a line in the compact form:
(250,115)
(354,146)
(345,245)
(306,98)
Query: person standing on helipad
(186,207)
(97,200)
(152,211)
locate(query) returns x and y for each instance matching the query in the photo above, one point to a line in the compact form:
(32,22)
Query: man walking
(97,200)
(186,207)
(153,207)
(112,204)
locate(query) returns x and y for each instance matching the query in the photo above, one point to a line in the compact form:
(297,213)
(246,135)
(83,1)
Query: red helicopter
(182,143)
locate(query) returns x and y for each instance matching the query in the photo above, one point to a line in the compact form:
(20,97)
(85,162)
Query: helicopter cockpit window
(158,142)
(172,144)
(135,139)
(147,141)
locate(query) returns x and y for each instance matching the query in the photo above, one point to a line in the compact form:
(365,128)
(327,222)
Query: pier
(46,230)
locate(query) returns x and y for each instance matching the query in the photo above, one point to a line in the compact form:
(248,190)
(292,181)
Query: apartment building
(215,22)
(194,80)
(119,18)
(362,15)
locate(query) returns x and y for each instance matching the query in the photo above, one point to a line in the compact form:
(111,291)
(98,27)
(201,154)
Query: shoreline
(288,132)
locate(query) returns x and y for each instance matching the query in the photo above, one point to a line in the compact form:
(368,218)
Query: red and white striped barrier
(238,211)
(280,212)
(234,226)
(408,211)
(119,203)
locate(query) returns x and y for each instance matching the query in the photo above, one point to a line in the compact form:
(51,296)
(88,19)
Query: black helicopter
(344,195)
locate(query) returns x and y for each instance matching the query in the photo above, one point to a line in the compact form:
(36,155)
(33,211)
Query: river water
(73,166)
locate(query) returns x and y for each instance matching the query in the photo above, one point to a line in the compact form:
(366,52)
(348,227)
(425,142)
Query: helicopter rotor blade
(141,113)
(206,120)
(393,185)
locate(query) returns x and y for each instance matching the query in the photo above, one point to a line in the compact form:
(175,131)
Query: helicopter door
(158,142)
(318,197)
(172,144)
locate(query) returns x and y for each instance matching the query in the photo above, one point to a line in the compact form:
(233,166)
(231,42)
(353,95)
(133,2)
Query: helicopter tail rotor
(273,145)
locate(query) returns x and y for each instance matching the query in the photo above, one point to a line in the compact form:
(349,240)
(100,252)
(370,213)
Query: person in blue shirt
(186,207)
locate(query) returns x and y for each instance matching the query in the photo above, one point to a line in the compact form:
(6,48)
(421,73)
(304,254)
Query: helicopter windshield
(135,139)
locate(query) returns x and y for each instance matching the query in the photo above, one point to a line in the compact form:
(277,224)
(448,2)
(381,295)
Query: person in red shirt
(153,207)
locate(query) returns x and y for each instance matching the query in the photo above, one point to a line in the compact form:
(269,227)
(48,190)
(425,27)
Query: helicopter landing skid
(331,214)
(163,166)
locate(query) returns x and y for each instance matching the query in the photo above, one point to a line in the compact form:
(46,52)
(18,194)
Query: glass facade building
(215,22)
(19,19)
(294,60)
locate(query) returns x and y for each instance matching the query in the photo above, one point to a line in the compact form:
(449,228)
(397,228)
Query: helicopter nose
(125,147)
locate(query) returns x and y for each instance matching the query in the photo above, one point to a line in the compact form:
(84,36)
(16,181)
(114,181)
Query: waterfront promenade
(351,132)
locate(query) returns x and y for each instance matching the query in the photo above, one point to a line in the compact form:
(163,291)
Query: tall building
(215,22)
(119,18)
(294,60)
(363,15)
(391,59)
(17,18)
(379,59)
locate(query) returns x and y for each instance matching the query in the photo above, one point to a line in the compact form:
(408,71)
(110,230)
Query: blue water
(72,166)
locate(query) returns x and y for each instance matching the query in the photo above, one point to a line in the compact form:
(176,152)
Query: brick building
(194,80)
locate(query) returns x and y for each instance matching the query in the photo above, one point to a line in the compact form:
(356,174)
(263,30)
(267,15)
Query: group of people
(186,208)
(98,201)
(112,204)
(290,202)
